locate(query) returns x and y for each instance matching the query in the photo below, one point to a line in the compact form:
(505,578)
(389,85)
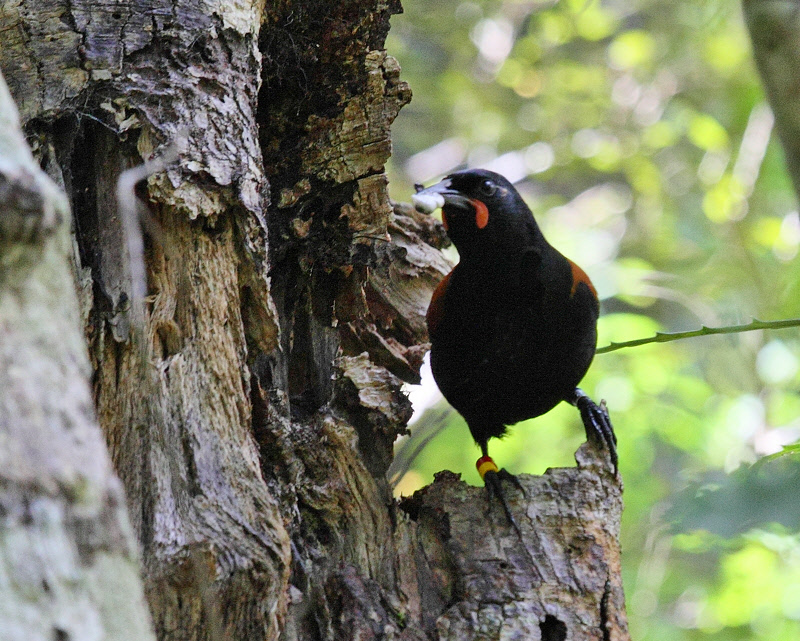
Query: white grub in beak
(427,203)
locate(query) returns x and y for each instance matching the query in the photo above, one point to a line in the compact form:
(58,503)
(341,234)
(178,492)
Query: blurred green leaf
(751,497)
(632,49)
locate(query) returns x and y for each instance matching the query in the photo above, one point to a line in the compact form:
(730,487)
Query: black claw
(494,488)
(597,424)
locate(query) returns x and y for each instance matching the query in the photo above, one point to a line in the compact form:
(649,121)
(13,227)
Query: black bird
(513,327)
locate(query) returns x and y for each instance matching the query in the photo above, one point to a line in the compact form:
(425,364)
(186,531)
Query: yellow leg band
(485,464)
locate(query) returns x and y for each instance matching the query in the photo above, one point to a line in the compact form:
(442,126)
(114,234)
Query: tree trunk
(285,306)
(774,27)
(67,550)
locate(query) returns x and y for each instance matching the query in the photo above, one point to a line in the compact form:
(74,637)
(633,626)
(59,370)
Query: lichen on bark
(68,553)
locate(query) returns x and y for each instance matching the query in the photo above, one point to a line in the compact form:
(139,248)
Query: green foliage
(764,494)
(639,134)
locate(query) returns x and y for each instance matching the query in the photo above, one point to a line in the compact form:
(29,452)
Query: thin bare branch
(668,337)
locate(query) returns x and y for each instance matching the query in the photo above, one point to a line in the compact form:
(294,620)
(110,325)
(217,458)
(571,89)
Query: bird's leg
(493,479)
(597,423)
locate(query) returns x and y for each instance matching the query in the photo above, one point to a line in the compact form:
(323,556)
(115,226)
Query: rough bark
(775,32)
(285,308)
(67,550)
(477,578)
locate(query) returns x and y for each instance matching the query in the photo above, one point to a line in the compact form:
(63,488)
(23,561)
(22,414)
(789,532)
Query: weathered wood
(385,313)
(214,546)
(478,579)
(67,551)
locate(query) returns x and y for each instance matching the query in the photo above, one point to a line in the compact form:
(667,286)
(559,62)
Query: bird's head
(482,211)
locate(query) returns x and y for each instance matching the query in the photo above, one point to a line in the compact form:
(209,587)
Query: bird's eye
(488,188)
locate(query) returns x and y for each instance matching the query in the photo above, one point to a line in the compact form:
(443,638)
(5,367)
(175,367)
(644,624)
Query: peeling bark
(286,301)
(386,316)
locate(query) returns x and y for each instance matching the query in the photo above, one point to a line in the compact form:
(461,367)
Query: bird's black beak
(429,200)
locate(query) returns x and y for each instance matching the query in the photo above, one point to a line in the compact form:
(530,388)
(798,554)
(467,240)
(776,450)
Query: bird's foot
(597,424)
(493,479)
